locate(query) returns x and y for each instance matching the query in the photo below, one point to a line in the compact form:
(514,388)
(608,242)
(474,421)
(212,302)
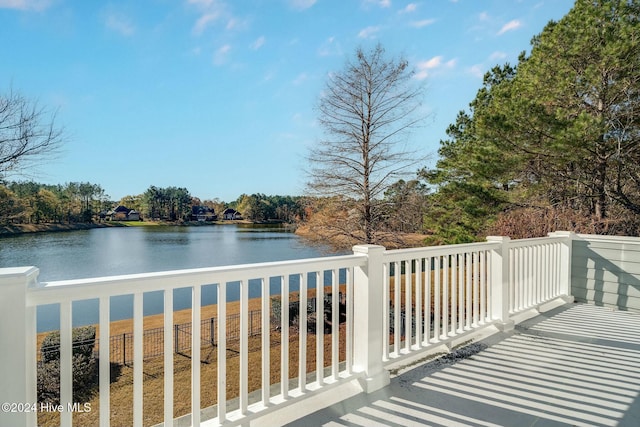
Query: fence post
(565,262)
(124,349)
(18,343)
(500,265)
(368,302)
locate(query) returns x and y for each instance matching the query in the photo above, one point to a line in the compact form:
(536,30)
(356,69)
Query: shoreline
(17,229)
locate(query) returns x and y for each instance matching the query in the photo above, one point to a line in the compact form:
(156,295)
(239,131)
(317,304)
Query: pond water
(126,250)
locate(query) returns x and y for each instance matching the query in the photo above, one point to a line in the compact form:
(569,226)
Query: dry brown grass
(121,390)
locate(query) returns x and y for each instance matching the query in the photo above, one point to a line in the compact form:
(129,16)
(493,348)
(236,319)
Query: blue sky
(218,96)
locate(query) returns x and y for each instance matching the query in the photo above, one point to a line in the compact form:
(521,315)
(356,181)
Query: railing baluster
(461,284)
(408,316)
(222,352)
(168,358)
(453,271)
(417,282)
(488,276)
(284,336)
(244,346)
(266,349)
(105,363)
(482,266)
(475,261)
(320,328)
(349,302)
(538,290)
(66,367)
(196,302)
(302,349)
(138,349)
(428,314)
(386,308)
(469,290)
(397,308)
(335,324)
(548,270)
(530,270)
(445,297)
(520,283)
(436,299)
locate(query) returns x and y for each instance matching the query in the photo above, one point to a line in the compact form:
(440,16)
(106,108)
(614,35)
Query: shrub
(85,379)
(84,366)
(83,341)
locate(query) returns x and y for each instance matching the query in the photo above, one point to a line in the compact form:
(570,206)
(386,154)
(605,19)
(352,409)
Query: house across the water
(231,214)
(203,213)
(122,213)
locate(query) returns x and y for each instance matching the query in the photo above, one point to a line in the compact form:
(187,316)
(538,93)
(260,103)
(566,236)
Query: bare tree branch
(366,112)
(27,134)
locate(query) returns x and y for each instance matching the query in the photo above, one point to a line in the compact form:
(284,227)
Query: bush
(83,341)
(84,366)
(85,379)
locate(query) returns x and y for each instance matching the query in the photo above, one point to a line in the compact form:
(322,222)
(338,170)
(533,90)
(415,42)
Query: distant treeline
(82,202)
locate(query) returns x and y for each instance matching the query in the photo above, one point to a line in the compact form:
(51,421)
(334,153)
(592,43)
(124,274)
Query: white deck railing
(398,303)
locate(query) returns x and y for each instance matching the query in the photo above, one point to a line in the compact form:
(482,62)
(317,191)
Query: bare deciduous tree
(366,112)
(27,133)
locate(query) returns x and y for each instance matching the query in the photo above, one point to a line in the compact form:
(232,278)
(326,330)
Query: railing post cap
(18,274)
(562,234)
(503,239)
(367,249)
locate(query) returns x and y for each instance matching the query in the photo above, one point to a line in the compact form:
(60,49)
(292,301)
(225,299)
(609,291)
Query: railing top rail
(79,289)
(615,239)
(533,241)
(404,254)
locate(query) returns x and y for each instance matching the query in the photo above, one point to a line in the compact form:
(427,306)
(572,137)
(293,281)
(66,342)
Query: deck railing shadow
(529,376)
(614,284)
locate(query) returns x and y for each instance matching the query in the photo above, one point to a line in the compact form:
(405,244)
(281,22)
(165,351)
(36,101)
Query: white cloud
(510,26)
(37,5)
(258,43)
(330,47)
(204,21)
(381,3)
(425,68)
(484,16)
(430,63)
(302,77)
(119,23)
(368,33)
(221,54)
(212,12)
(422,23)
(476,70)
(201,3)
(497,55)
(302,4)
(237,24)
(411,7)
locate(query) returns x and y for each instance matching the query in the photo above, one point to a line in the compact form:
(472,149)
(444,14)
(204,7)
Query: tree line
(31,202)
(83,202)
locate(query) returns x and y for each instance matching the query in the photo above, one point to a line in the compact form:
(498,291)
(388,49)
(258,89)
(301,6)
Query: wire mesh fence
(121,345)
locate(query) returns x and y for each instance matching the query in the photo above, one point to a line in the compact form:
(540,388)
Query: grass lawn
(121,391)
